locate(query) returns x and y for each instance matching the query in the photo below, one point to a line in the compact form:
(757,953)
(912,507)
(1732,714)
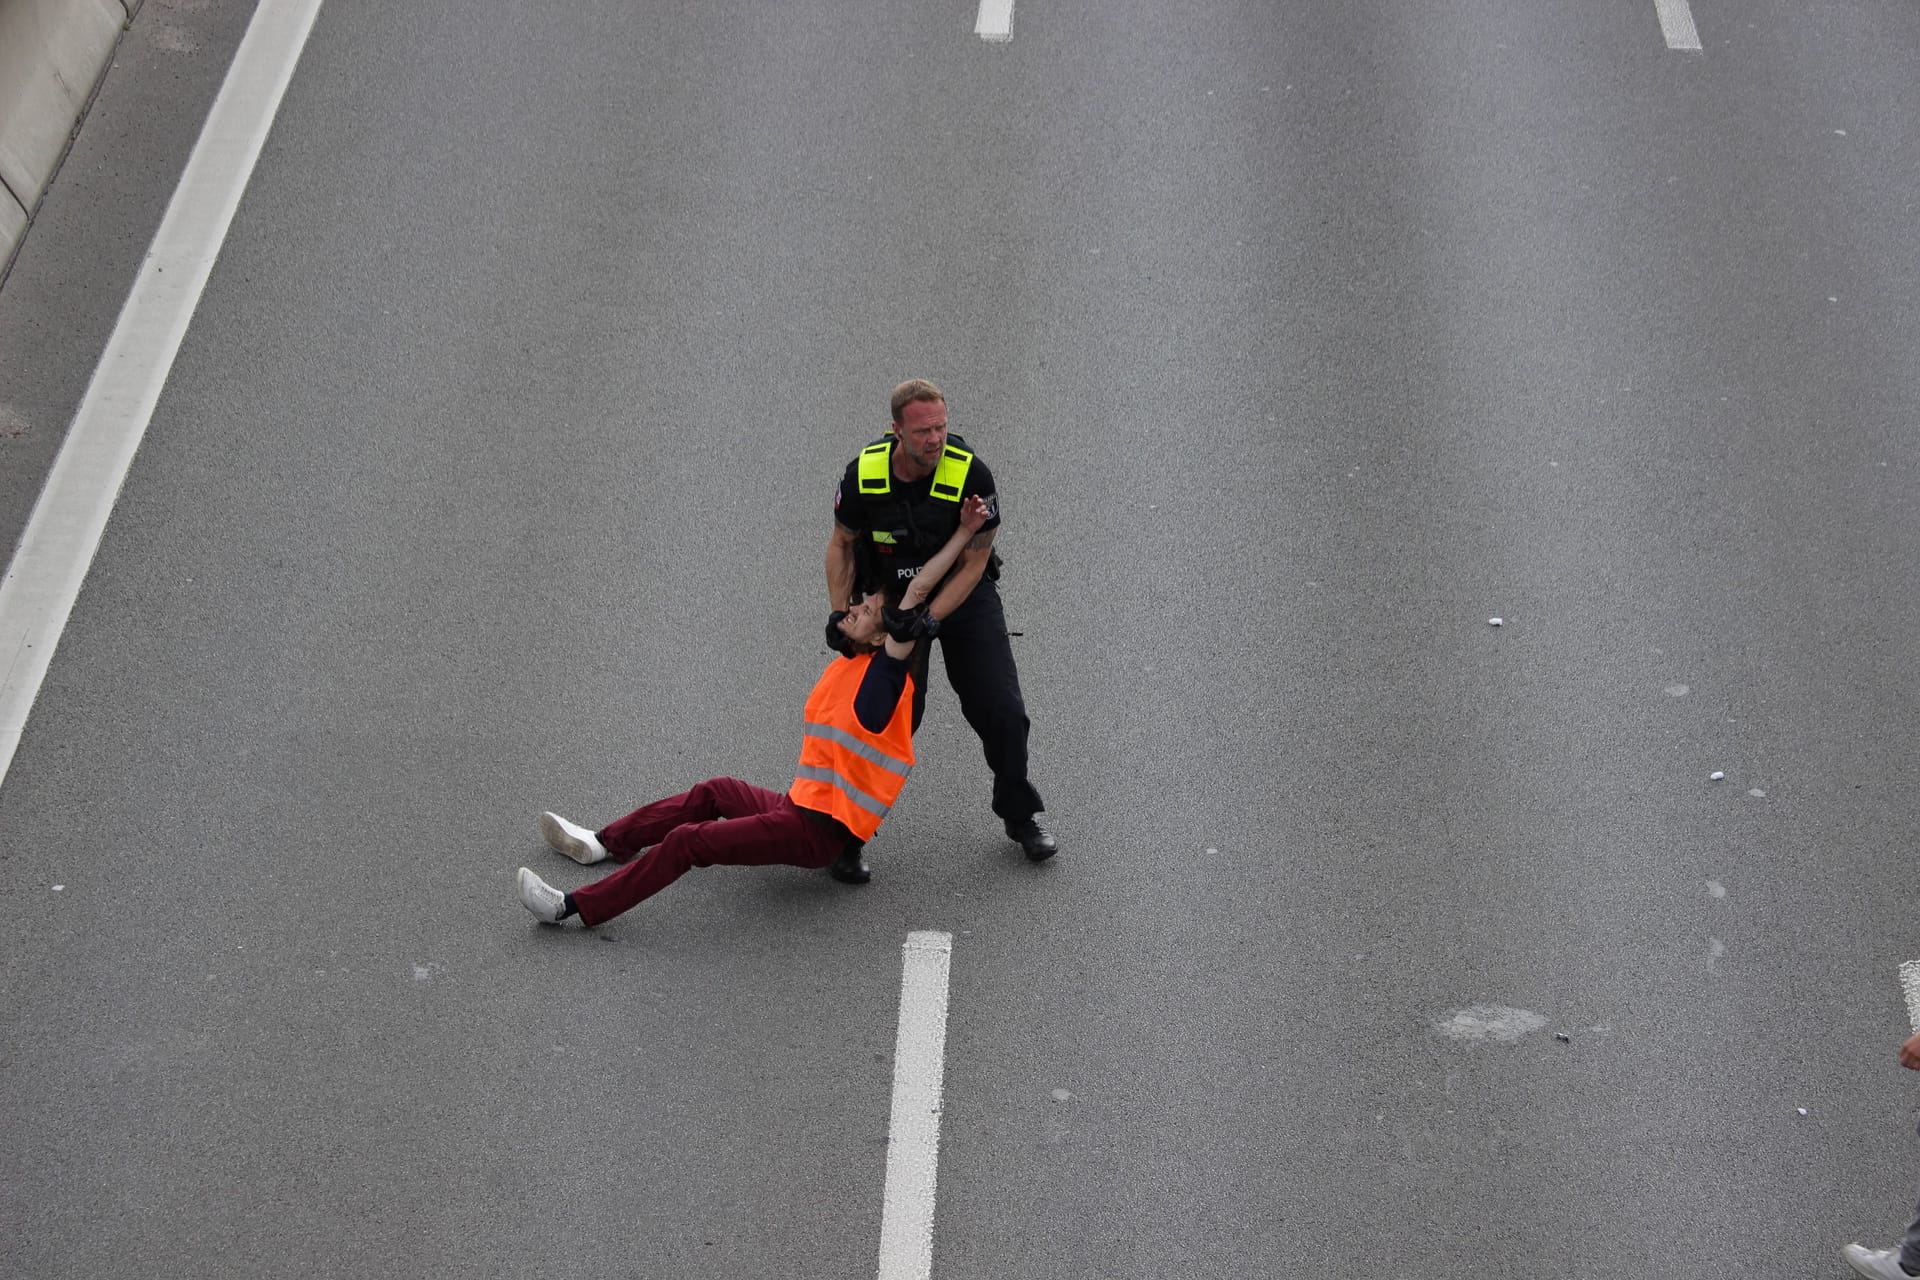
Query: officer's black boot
(1033,838)
(851,868)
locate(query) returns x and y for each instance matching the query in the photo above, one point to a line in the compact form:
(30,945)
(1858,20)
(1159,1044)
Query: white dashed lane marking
(913,1134)
(1676,24)
(995,21)
(1910,986)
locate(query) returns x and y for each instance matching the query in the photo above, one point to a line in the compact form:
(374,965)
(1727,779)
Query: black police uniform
(901,525)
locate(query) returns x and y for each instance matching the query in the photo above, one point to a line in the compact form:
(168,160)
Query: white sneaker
(577,843)
(541,898)
(1880,1264)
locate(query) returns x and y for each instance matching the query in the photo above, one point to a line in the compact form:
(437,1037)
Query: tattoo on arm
(980,541)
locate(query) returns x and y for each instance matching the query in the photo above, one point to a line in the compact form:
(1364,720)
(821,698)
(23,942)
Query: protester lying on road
(856,753)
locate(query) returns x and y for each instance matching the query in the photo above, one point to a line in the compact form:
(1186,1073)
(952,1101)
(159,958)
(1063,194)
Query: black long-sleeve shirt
(879,691)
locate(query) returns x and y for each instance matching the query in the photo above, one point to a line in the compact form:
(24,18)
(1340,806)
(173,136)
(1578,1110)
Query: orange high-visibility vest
(847,771)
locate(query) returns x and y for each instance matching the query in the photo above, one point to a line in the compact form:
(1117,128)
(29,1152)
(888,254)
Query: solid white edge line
(1676,24)
(995,21)
(1910,987)
(913,1133)
(63,533)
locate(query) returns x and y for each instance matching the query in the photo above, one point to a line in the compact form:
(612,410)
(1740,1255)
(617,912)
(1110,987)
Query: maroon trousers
(762,828)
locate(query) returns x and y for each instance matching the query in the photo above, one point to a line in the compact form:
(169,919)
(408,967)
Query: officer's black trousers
(973,643)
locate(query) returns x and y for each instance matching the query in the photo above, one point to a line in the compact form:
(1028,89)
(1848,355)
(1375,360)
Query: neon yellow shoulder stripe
(876,467)
(951,474)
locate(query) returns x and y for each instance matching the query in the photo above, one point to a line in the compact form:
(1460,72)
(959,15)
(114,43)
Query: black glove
(908,625)
(836,638)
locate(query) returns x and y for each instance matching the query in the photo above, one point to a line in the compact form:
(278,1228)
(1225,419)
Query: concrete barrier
(52,56)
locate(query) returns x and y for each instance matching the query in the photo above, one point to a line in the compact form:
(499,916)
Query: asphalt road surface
(494,475)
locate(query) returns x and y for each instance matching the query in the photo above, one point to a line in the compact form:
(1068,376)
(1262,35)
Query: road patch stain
(1482,1022)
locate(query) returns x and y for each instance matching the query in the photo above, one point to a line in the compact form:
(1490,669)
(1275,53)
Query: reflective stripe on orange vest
(847,771)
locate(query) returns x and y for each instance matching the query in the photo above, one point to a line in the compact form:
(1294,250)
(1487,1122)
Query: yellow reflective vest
(949,475)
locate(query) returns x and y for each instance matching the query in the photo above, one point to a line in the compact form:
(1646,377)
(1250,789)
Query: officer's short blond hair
(915,389)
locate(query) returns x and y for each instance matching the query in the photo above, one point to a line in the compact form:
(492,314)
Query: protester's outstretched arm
(973,514)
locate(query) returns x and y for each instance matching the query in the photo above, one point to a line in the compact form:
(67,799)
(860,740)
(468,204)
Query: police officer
(897,504)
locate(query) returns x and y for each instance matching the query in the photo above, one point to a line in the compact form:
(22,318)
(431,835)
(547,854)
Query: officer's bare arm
(840,566)
(960,584)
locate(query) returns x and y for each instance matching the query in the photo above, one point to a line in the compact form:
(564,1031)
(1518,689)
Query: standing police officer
(897,504)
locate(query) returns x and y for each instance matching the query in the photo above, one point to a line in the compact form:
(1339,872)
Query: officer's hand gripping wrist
(900,623)
(906,625)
